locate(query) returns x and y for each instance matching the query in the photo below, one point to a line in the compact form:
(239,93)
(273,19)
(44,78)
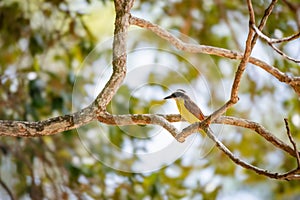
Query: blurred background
(55,57)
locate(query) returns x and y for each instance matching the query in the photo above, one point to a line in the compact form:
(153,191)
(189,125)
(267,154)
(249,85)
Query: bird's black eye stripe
(177,94)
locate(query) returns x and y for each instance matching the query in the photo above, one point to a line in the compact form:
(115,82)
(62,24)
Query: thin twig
(268,40)
(263,21)
(6,188)
(285,39)
(259,129)
(260,34)
(246,165)
(283,54)
(288,132)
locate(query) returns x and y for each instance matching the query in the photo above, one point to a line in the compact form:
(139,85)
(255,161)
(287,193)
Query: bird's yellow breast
(188,116)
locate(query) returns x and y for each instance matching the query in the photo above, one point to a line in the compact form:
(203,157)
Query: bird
(187,108)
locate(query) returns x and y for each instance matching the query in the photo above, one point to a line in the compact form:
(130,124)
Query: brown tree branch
(285,39)
(165,120)
(292,175)
(123,120)
(6,188)
(283,54)
(273,40)
(242,66)
(270,43)
(294,82)
(54,125)
(263,21)
(88,114)
(97,110)
(259,129)
(49,126)
(122,8)
(288,132)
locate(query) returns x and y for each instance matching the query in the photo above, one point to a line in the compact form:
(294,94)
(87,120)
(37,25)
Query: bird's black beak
(169,97)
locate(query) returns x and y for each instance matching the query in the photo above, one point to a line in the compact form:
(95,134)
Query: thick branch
(122,120)
(86,115)
(122,8)
(68,122)
(49,126)
(164,121)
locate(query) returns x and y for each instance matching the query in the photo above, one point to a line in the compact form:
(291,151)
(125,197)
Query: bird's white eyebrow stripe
(180,90)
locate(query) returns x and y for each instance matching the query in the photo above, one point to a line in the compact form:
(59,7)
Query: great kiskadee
(192,113)
(188,109)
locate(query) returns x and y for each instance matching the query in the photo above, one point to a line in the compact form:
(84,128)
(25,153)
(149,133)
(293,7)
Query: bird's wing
(194,109)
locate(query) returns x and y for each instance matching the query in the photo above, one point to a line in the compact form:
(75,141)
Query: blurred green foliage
(44,42)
